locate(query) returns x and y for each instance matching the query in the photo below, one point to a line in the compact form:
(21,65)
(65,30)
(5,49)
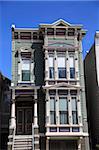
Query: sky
(30,14)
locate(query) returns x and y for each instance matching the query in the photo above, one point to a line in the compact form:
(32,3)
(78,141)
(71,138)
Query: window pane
(71,62)
(51,62)
(63,105)
(74,104)
(51,72)
(51,67)
(63,108)
(25,65)
(52,104)
(52,110)
(25,75)
(62,72)
(52,117)
(61,62)
(74,117)
(72,72)
(74,111)
(63,117)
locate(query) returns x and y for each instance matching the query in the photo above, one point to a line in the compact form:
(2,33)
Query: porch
(23,128)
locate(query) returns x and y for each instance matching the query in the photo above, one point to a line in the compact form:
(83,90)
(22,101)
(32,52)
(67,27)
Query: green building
(48,110)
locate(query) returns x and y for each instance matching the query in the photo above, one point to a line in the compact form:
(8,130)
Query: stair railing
(32,136)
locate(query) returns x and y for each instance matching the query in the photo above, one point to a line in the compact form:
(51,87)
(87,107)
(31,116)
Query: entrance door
(24,120)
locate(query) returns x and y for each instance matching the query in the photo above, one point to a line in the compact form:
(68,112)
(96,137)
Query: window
(71,32)
(51,67)
(61,67)
(72,68)
(74,111)
(25,35)
(25,70)
(52,110)
(60,31)
(63,110)
(50,31)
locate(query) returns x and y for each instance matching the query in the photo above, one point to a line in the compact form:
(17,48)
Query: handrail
(13,138)
(32,136)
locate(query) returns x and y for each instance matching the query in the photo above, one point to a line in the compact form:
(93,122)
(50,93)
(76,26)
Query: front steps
(23,142)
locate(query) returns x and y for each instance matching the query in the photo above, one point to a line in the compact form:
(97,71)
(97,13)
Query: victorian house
(48,110)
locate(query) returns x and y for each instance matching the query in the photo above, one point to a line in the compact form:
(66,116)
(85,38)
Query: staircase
(22,142)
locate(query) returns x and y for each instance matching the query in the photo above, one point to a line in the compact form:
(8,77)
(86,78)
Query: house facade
(91,67)
(48,108)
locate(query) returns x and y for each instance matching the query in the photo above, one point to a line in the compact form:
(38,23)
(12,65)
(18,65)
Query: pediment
(61,22)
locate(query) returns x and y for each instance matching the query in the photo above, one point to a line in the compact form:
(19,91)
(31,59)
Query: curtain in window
(63,108)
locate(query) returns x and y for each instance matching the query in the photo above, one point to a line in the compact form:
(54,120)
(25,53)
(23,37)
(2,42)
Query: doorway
(24,120)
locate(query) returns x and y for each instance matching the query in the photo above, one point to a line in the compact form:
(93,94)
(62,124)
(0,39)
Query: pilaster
(55,65)
(67,65)
(76,66)
(35,109)
(69,108)
(57,107)
(47,107)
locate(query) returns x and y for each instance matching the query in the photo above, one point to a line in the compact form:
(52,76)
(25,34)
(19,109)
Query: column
(55,65)
(32,66)
(76,66)
(57,107)
(67,65)
(69,109)
(75,38)
(47,109)
(19,68)
(13,123)
(35,107)
(47,143)
(46,67)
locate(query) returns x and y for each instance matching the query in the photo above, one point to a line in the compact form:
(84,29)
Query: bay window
(72,67)
(63,110)
(74,110)
(61,67)
(52,110)
(51,67)
(25,70)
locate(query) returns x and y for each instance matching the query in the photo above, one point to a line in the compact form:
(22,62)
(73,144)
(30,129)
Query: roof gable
(61,22)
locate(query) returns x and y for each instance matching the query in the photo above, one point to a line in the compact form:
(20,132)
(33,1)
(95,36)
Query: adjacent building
(5,96)
(91,67)
(48,110)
